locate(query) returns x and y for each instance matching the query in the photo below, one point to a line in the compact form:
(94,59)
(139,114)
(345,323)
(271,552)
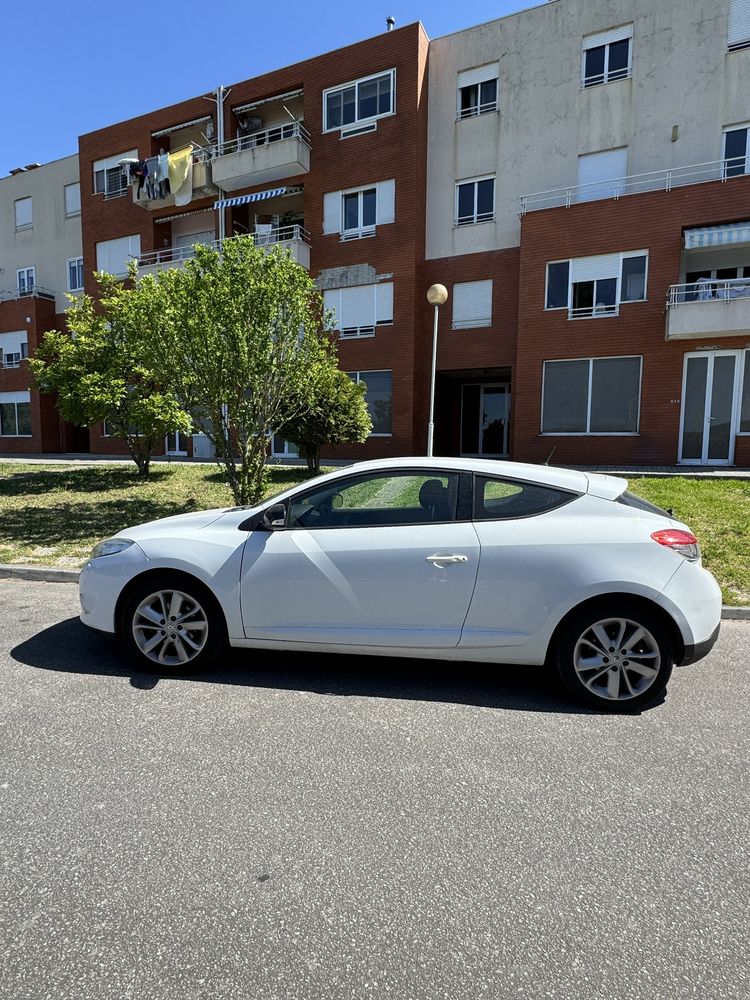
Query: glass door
(485,410)
(709,408)
(175,444)
(281,448)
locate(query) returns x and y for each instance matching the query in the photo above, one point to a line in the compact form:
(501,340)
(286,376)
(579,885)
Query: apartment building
(40,262)
(588,206)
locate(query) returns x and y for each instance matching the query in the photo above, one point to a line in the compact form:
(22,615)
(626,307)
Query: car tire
(616,657)
(172,624)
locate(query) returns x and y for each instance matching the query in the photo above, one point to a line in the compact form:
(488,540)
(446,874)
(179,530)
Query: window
(501,499)
(475,201)
(358,211)
(745,401)
(75,274)
(73,199)
(736,160)
(110,179)
(113,256)
(358,309)
(477,91)
(377,500)
(23,213)
(591,396)
(25,280)
(607,56)
(15,414)
(590,287)
(738,34)
(378,399)
(602,175)
(362,100)
(472,304)
(13,349)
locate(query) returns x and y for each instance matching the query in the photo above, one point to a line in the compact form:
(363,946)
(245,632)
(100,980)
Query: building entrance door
(174,444)
(708,426)
(485,412)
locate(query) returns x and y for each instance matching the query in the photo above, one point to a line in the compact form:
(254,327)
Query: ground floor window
(745,402)
(15,414)
(591,396)
(379,399)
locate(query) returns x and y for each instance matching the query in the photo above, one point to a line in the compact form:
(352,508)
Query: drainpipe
(220,97)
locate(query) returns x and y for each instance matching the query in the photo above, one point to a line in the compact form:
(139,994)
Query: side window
(396,498)
(499,499)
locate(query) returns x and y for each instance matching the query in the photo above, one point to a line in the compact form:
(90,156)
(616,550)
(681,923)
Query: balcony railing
(176,256)
(294,130)
(36,292)
(709,290)
(619,187)
(593,312)
(262,157)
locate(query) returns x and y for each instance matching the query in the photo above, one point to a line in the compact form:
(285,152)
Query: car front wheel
(617,661)
(172,625)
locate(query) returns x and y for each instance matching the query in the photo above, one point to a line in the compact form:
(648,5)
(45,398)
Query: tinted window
(631,500)
(557,285)
(378,500)
(497,499)
(618,59)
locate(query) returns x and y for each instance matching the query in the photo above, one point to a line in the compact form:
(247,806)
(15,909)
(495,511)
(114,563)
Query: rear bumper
(696,652)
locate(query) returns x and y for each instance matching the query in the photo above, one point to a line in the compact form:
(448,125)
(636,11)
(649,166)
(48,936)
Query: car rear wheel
(172,625)
(617,659)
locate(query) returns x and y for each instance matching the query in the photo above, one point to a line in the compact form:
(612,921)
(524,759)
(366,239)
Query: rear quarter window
(631,500)
(498,499)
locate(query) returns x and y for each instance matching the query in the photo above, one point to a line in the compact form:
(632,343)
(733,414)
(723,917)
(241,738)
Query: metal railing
(593,312)
(278,133)
(37,292)
(280,235)
(476,109)
(708,290)
(619,187)
(14,363)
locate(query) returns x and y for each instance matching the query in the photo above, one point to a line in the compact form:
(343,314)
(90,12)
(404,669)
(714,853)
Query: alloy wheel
(170,628)
(617,659)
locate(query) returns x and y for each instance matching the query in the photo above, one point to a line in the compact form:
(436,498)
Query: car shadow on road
(71,647)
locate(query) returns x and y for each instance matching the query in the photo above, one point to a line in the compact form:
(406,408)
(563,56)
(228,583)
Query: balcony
(34,292)
(203,185)
(262,157)
(619,187)
(293,238)
(709,309)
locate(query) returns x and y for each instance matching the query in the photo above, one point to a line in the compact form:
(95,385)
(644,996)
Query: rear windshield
(631,500)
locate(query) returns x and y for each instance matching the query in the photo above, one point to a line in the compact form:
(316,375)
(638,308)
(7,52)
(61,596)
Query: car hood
(178,522)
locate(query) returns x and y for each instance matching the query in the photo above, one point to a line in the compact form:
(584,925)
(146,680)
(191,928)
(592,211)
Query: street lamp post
(437,295)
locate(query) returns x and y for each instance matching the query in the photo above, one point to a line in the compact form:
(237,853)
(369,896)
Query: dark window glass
(351,211)
(735,152)
(606,294)
(583,295)
(384,95)
(594,66)
(8,426)
(631,500)
(465,202)
(557,284)
(368,207)
(349,106)
(615,395)
(379,400)
(488,96)
(333,109)
(565,402)
(368,99)
(469,100)
(485,200)
(618,59)
(99,182)
(745,404)
(726,273)
(23,411)
(633,286)
(497,499)
(470,420)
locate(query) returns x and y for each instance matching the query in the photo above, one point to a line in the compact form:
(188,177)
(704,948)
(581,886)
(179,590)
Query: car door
(375,559)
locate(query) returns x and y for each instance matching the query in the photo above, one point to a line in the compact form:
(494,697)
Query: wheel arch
(174,576)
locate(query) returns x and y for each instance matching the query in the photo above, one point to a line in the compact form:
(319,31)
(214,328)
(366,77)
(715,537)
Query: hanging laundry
(152,187)
(139,172)
(162,172)
(180,164)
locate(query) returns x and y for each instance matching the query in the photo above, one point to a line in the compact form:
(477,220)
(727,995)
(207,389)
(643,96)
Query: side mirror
(274,517)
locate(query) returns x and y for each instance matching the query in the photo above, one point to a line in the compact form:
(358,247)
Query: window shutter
(607,37)
(114,256)
(472,304)
(595,268)
(384,302)
(739,22)
(332,303)
(386,202)
(598,171)
(478,75)
(357,307)
(332,212)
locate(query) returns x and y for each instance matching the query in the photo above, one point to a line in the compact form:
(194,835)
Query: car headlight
(110,546)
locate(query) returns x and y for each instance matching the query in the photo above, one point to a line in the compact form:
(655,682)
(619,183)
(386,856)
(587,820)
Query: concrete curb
(46,575)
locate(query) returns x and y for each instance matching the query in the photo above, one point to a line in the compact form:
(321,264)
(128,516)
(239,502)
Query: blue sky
(69,68)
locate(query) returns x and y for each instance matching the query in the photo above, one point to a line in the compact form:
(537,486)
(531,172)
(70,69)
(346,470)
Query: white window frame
(589,433)
(15,402)
(21,226)
(735,128)
(618,296)
(362,332)
(359,230)
(487,73)
(473,220)
(70,214)
(134,251)
(471,324)
(108,164)
(26,271)
(78,261)
(12,358)
(385,209)
(605,39)
(356,84)
(359,379)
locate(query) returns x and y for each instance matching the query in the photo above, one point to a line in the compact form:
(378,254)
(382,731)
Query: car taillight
(680,541)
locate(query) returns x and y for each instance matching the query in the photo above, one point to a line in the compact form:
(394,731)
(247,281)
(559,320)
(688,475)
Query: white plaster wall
(682,75)
(53,238)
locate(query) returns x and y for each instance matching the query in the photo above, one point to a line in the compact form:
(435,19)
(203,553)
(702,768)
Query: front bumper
(696,652)
(101,583)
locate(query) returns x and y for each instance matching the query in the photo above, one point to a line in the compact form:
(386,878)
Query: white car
(453,559)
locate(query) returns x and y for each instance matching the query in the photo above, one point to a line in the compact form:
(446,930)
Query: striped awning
(718,236)
(245,199)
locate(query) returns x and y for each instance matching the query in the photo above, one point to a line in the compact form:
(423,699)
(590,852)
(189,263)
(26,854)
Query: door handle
(447,559)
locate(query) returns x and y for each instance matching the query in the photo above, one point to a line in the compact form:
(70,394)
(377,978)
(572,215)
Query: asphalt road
(310,827)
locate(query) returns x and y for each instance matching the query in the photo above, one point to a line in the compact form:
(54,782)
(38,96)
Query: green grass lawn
(52,515)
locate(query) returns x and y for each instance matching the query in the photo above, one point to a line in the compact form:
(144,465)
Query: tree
(241,343)
(99,373)
(336,414)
